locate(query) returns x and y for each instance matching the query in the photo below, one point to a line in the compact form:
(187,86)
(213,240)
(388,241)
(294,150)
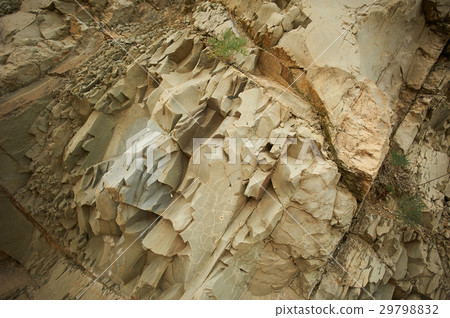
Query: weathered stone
(288,151)
(53,27)
(31,5)
(265,217)
(355,124)
(178,103)
(409,127)
(257,184)
(154,271)
(100,126)
(13,23)
(273,274)
(163,240)
(120,11)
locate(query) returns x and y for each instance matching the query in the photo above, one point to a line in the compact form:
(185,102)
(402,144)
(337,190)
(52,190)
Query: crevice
(51,241)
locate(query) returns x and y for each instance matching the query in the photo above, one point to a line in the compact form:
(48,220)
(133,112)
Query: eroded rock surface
(174,175)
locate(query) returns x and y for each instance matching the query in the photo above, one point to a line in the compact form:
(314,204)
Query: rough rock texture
(9,6)
(32,43)
(170,174)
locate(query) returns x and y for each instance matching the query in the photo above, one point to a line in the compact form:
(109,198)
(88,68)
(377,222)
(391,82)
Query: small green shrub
(394,176)
(228,45)
(398,159)
(410,209)
(394,179)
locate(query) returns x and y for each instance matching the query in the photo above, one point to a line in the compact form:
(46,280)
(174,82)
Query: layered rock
(174,175)
(33,42)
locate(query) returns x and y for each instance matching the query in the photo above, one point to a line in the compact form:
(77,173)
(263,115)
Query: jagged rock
(410,125)
(344,207)
(203,123)
(362,268)
(102,227)
(179,49)
(13,23)
(257,184)
(127,214)
(424,58)
(189,177)
(179,214)
(106,206)
(273,274)
(99,128)
(53,27)
(26,64)
(213,18)
(192,59)
(130,263)
(252,102)
(305,236)
(31,5)
(119,12)
(163,240)
(359,134)
(176,104)
(401,266)
(266,10)
(153,272)
(265,217)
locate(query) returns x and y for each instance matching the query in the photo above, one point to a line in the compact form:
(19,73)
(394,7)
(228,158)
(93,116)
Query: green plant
(410,209)
(227,45)
(394,179)
(398,159)
(394,176)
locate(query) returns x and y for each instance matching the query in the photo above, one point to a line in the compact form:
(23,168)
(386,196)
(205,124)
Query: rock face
(32,44)
(173,175)
(9,6)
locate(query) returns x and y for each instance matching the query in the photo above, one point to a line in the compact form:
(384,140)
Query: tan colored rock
(257,184)
(306,236)
(213,18)
(130,263)
(344,207)
(181,102)
(362,268)
(118,12)
(199,125)
(154,271)
(163,240)
(31,5)
(359,134)
(12,23)
(273,274)
(179,49)
(265,217)
(53,27)
(106,206)
(260,220)
(128,214)
(100,127)
(417,250)
(401,266)
(319,182)
(425,57)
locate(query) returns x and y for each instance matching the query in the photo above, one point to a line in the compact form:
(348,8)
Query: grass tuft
(398,159)
(227,45)
(410,208)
